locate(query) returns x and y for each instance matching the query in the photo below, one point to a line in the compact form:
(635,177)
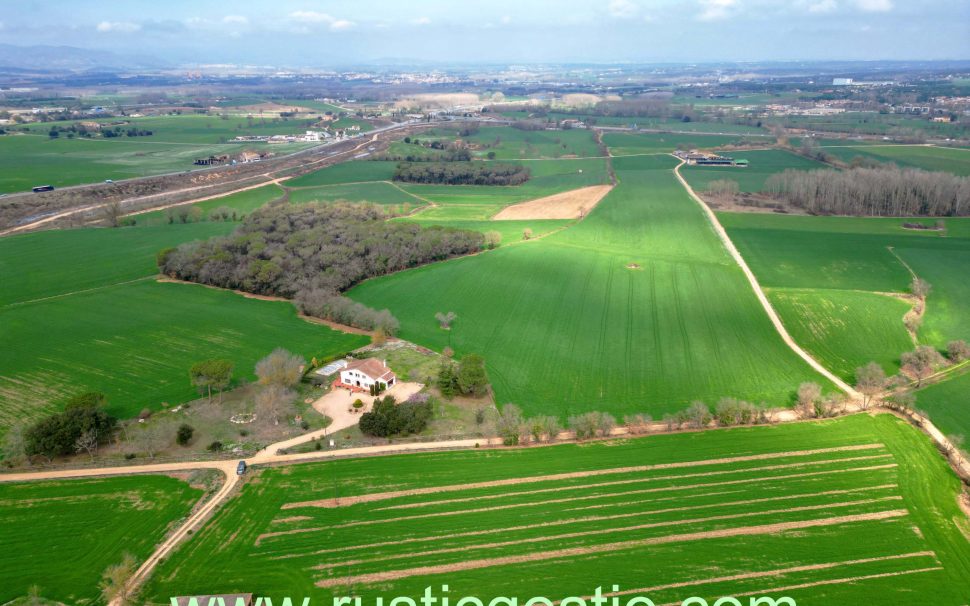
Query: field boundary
(759,292)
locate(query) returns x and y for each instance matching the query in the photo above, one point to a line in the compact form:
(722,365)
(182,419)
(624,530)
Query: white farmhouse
(361,374)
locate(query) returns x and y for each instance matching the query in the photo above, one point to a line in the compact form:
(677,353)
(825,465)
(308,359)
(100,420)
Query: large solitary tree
(869,381)
(280,368)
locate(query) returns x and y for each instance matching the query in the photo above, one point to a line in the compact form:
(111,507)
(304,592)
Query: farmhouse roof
(373,368)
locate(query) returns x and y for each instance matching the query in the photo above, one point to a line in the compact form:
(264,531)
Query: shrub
(388,418)
(215,446)
(58,434)
(184,434)
(472,379)
(508,426)
(144,414)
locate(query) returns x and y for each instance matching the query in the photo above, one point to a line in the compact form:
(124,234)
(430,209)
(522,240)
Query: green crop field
(61,536)
(378,192)
(243,203)
(465,207)
(833,512)
(638,308)
(177,141)
(877,124)
(948,405)
(839,256)
(669,124)
(81,311)
(626,144)
(511,143)
(763,164)
(845,328)
(946,159)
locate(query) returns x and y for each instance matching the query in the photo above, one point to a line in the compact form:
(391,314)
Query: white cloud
(622,9)
(822,6)
(125,27)
(421,21)
(315,18)
(341,24)
(875,6)
(311,17)
(714,10)
(235,19)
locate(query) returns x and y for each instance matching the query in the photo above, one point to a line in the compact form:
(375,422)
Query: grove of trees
(462,173)
(883,191)
(312,252)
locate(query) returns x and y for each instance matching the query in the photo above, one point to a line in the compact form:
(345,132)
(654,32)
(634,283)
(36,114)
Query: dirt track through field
(475,533)
(572,204)
(593,533)
(633,481)
(381,496)
(764,573)
(391,575)
(759,292)
(631,492)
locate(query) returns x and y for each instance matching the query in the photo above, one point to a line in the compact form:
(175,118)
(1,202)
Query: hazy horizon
(315,33)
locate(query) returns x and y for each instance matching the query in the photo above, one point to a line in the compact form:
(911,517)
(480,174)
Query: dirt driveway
(337,403)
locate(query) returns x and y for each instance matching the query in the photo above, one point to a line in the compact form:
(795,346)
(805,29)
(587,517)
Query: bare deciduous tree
(920,287)
(808,394)
(270,401)
(445,319)
(115,578)
(958,351)
(869,381)
(150,438)
(509,424)
(921,362)
(280,368)
(87,442)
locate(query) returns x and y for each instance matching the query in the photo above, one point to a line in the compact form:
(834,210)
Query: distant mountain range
(70,59)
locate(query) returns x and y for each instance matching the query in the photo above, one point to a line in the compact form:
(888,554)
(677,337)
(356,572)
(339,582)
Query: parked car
(41,188)
(241,468)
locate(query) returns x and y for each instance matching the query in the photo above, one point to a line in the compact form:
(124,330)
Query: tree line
(312,252)
(883,191)
(462,173)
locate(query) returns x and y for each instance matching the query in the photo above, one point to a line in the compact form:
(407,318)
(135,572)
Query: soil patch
(573,204)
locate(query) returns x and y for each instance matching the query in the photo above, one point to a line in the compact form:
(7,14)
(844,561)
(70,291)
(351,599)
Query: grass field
(763,164)
(948,404)
(566,326)
(839,256)
(60,536)
(243,202)
(81,311)
(626,144)
(946,159)
(835,512)
(642,122)
(465,207)
(135,342)
(845,328)
(177,141)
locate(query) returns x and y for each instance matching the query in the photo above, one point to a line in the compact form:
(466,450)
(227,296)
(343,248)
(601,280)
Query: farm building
(233,599)
(367,372)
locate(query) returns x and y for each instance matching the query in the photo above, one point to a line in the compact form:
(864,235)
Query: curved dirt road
(762,297)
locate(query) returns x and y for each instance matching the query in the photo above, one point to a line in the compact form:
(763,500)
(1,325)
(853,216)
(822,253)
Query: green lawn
(566,326)
(869,512)
(762,164)
(946,159)
(61,536)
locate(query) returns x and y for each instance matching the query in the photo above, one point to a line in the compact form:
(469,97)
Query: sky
(334,33)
